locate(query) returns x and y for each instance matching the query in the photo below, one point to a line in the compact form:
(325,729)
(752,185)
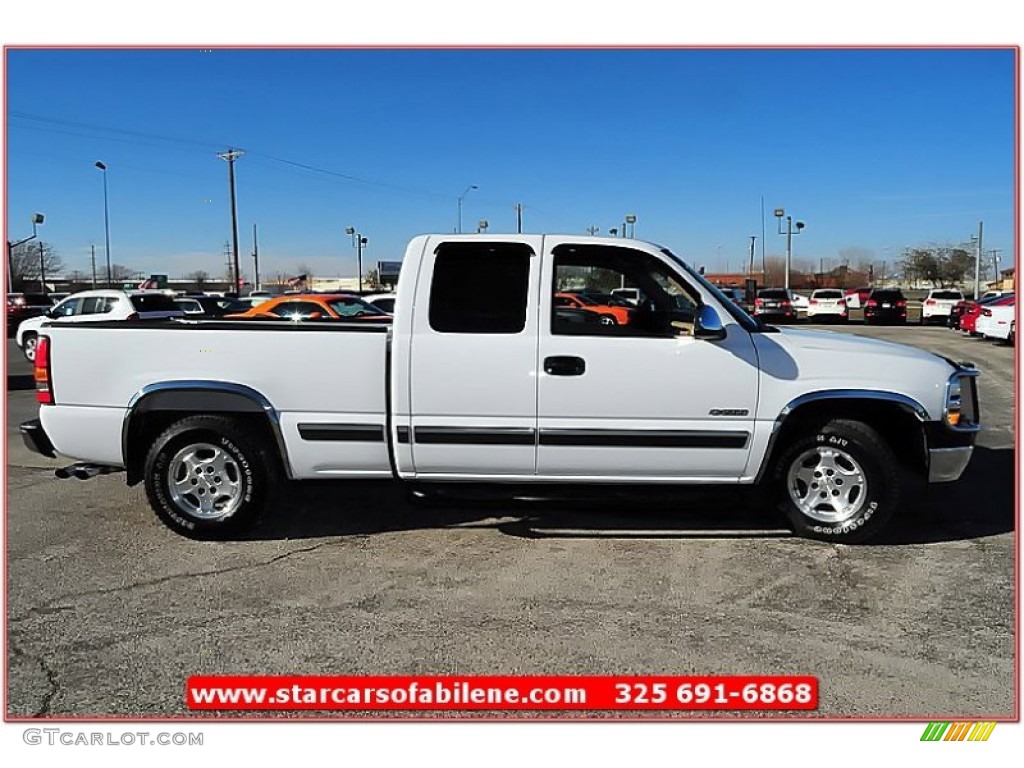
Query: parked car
(97,306)
(737,295)
(480,387)
(996,321)
(801,302)
(611,314)
(827,304)
(885,305)
(385,301)
(775,304)
(22,306)
(966,312)
(939,303)
(857,297)
(208,306)
(313,306)
(632,295)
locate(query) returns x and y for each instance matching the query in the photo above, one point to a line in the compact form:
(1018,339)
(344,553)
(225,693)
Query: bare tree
(199,278)
(24,263)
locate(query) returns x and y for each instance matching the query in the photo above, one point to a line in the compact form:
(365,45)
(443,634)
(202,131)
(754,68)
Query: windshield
(738,314)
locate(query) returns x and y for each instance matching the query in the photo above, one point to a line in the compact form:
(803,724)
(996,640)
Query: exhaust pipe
(84,470)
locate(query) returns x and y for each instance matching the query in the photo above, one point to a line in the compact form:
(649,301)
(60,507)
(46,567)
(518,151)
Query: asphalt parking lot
(109,612)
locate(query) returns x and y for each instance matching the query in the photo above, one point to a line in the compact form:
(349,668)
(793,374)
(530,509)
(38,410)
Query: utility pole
(977,262)
(995,264)
(92,260)
(753,239)
(519,218)
(42,269)
(231,155)
(227,258)
(255,259)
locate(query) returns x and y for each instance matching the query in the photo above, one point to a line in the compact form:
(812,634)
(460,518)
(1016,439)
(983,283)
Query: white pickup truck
(480,379)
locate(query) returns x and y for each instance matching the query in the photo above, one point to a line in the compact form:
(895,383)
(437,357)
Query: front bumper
(36,439)
(947,464)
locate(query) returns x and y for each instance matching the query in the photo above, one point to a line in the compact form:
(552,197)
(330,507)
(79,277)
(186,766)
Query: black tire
(248,461)
(608,320)
(28,346)
(846,444)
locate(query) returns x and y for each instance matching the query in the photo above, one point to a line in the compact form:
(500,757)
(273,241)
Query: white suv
(95,306)
(939,303)
(827,303)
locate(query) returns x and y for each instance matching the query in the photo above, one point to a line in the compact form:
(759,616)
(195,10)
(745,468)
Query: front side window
(480,287)
(668,307)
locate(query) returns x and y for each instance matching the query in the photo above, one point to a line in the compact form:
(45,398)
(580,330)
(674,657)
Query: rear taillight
(842,302)
(901,303)
(931,302)
(785,302)
(987,312)
(871,303)
(758,302)
(813,301)
(44,387)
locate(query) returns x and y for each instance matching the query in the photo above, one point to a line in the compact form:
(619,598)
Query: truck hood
(826,360)
(805,342)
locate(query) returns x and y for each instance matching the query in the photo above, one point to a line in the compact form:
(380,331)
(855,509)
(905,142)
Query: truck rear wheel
(839,483)
(209,477)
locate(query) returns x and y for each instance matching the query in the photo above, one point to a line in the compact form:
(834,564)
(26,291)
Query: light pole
(461,198)
(977,262)
(631,220)
(779,213)
(358,241)
(750,271)
(106,217)
(36,219)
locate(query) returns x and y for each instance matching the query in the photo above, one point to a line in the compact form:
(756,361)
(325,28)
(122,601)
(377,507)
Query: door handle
(564,366)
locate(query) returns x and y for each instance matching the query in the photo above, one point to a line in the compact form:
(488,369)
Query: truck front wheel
(839,483)
(209,477)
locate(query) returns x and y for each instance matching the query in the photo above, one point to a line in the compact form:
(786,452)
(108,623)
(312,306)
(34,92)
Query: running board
(84,471)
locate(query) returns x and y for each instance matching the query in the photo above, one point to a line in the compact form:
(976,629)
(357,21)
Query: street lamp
(461,198)
(358,241)
(106,217)
(779,213)
(36,219)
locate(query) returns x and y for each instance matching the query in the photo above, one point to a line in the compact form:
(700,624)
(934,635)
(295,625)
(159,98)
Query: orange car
(610,314)
(313,306)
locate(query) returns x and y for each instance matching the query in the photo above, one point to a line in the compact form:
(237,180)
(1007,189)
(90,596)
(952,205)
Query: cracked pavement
(108,612)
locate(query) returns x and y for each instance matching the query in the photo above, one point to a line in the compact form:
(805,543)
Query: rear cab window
(947,295)
(480,288)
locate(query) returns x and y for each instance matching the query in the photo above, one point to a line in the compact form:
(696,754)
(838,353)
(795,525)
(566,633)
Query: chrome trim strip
(208,386)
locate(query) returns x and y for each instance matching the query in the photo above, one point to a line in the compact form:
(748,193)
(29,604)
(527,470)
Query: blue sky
(875,149)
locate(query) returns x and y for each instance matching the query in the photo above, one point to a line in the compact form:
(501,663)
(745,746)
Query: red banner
(523,693)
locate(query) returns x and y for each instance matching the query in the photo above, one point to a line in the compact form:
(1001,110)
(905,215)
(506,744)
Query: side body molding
(197,397)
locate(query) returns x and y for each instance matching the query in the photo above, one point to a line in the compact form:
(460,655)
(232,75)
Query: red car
(972,311)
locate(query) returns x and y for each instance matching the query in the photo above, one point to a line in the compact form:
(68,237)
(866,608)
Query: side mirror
(709,325)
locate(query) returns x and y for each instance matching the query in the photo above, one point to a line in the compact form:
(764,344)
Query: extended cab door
(643,399)
(472,377)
